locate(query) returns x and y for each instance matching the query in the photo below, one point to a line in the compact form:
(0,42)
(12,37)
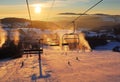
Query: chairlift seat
(54,44)
(65,44)
(32,51)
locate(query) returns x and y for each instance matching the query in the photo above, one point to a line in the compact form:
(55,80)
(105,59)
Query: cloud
(67,13)
(70,13)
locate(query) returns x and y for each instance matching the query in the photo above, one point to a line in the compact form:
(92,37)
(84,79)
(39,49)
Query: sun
(37,8)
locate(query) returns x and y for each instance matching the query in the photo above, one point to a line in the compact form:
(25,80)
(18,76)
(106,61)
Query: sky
(18,8)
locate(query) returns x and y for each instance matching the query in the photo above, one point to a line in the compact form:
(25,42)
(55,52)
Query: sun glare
(37,8)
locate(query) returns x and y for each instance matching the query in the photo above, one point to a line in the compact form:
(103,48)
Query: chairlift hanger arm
(29,13)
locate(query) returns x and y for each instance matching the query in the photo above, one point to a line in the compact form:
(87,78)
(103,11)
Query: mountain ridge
(89,21)
(12,22)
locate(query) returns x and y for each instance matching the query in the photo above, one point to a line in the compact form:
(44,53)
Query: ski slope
(60,66)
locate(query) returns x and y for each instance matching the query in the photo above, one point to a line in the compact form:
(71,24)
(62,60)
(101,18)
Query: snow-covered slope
(108,46)
(57,66)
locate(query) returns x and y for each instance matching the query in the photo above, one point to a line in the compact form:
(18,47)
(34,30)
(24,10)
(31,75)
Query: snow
(91,67)
(100,65)
(108,46)
(58,66)
(92,34)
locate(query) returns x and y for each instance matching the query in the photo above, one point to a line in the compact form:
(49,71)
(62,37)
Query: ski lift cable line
(84,13)
(88,10)
(28,9)
(51,8)
(29,13)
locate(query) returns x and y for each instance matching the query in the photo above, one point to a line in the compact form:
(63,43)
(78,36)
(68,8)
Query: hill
(96,66)
(25,23)
(89,21)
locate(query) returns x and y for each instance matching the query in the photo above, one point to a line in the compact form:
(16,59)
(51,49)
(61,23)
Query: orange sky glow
(45,11)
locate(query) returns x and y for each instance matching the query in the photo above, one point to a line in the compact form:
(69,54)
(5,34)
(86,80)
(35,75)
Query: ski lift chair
(71,40)
(33,47)
(54,42)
